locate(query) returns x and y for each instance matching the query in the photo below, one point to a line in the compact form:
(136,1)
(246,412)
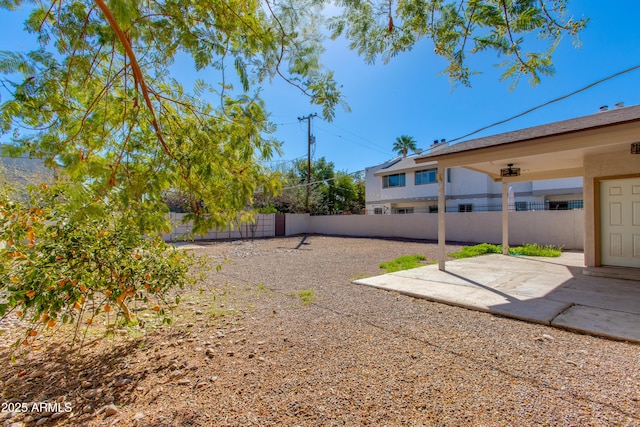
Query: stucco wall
(609,165)
(554,184)
(420,226)
(296,224)
(560,228)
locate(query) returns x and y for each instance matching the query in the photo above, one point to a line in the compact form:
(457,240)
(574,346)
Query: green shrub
(307,296)
(403,263)
(529,249)
(535,249)
(481,249)
(59,267)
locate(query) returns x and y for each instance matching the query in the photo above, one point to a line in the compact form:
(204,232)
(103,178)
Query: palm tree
(403,144)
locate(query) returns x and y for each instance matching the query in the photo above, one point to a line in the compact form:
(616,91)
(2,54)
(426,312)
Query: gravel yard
(280,336)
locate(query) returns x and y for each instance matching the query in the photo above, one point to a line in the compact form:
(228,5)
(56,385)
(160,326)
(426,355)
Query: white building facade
(402,186)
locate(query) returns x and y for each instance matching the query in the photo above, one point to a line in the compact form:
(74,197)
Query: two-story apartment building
(403,186)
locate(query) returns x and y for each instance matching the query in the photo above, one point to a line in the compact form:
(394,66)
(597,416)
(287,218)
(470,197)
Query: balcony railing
(555,205)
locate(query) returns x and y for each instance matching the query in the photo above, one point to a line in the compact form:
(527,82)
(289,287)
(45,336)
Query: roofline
(459,148)
(411,168)
(400,158)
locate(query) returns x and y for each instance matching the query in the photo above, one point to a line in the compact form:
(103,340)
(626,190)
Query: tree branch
(467,29)
(281,55)
(75,49)
(137,72)
(552,21)
(516,50)
(44,18)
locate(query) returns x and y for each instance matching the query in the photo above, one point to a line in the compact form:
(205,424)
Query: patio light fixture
(635,148)
(510,171)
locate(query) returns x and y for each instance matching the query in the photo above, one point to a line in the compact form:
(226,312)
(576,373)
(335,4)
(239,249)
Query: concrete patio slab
(447,288)
(551,291)
(598,321)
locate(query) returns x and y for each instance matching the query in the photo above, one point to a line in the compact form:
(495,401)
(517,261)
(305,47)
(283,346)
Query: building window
(404,210)
(377,211)
(397,180)
(576,204)
(433,209)
(563,205)
(465,207)
(426,176)
(521,206)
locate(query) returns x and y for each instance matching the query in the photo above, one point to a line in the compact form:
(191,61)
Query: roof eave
(459,148)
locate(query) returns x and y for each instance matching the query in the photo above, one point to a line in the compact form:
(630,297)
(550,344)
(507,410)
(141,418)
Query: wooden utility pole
(308,119)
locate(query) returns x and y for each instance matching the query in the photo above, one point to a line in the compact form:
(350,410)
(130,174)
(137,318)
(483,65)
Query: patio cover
(555,150)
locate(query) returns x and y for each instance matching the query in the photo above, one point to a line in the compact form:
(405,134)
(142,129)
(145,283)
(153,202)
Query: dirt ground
(280,336)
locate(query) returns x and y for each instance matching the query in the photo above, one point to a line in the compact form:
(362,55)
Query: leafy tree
(331,192)
(100,102)
(403,144)
(292,199)
(514,29)
(97,101)
(349,193)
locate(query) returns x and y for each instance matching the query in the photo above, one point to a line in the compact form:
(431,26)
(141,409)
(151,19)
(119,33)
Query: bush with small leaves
(59,267)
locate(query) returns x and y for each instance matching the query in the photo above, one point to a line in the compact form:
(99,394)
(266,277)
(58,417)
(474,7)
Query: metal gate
(280,225)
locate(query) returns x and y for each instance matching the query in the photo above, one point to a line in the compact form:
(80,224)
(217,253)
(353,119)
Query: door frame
(597,214)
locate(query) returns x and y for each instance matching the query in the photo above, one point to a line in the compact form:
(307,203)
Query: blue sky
(409,97)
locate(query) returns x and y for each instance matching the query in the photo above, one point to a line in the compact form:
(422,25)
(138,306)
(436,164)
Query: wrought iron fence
(543,205)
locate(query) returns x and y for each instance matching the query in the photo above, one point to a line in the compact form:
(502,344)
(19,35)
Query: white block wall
(558,228)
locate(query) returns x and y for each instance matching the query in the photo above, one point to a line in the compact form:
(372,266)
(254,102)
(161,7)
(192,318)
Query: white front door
(620,222)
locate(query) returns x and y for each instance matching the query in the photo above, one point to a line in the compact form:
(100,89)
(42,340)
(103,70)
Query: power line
(589,86)
(354,142)
(286,124)
(530,110)
(358,136)
(284,160)
(322,180)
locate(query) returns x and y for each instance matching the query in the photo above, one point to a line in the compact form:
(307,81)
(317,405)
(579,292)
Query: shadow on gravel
(65,380)
(302,242)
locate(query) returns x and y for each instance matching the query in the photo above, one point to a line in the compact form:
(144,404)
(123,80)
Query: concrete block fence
(263,226)
(559,228)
